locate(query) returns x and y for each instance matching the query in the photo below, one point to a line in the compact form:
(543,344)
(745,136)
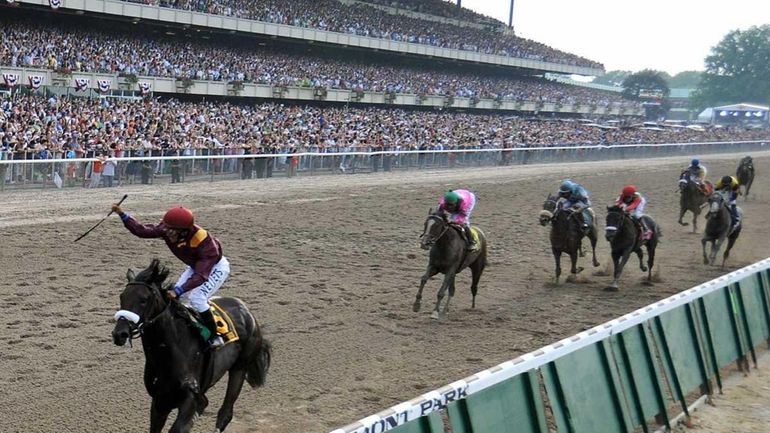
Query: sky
(666,35)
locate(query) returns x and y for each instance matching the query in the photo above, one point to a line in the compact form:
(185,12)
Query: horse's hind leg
(234,384)
(431,271)
(477,268)
(651,257)
(158,416)
(640,253)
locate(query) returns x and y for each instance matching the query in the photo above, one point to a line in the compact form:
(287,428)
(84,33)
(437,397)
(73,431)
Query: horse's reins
(137,323)
(446,227)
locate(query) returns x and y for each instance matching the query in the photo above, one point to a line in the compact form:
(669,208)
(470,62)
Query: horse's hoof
(705,261)
(643,268)
(434,315)
(578,270)
(648,283)
(416,307)
(683,224)
(596,264)
(611,289)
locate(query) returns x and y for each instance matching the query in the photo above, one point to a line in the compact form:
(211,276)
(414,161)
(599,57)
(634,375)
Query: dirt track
(330,266)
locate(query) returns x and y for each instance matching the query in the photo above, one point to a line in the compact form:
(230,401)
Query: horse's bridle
(136,322)
(443,232)
(620,224)
(722,201)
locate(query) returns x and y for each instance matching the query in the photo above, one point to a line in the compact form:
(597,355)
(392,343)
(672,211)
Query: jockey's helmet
(566,187)
(628,191)
(179,218)
(695,162)
(451,197)
(726,182)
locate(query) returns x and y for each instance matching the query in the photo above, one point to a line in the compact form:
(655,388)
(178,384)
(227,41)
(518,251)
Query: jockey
(697,172)
(574,195)
(459,205)
(207,269)
(633,204)
(730,186)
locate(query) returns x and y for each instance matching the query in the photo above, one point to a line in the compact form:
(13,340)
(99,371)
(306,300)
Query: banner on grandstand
(55,3)
(35,81)
(11,79)
(104,85)
(82,84)
(145,87)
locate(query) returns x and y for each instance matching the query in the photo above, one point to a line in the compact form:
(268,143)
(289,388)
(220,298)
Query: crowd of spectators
(70,48)
(364,20)
(441,8)
(37,127)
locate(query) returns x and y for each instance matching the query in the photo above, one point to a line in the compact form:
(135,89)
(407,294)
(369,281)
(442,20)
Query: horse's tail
(256,370)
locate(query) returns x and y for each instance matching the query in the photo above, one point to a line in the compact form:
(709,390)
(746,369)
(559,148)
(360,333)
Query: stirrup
(216,341)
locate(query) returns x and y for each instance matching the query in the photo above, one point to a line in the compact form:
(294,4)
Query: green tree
(612,78)
(737,69)
(685,80)
(646,84)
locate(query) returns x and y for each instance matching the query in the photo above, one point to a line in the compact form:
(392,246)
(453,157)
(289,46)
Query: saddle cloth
(225,326)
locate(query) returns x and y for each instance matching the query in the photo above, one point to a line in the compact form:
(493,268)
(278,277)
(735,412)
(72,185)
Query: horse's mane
(614,208)
(155,273)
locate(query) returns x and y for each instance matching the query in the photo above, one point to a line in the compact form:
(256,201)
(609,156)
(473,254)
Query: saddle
(225,326)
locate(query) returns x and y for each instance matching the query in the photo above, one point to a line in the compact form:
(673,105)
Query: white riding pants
(198,298)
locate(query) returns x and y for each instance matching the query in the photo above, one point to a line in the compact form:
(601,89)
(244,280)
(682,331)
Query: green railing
(638,371)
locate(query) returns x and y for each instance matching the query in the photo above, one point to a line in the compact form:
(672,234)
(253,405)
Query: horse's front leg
(695,221)
(158,415)
(715,246)
(682,211)
(703,242)
(592,237)
(557,259)
(430,272)
(448,278)
(185,414)
(573,260)
(619,259)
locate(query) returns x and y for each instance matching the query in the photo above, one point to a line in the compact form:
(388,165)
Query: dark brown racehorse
(566,234)
(448,255)
(625,238)
(691,198)
(179,366)
(745,174)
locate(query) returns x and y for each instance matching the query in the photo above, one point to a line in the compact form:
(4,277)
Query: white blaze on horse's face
(425,239)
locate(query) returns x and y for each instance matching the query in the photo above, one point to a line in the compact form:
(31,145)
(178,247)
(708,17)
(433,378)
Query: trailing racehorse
(625,238)
(566,234)
(179,366)
(745,174)
(718,226)
(449,256)
(692,198)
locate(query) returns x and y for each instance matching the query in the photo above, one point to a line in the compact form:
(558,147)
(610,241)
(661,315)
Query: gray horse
(745,174)
(449,256)
(566,234)
(691,198)
(718,229)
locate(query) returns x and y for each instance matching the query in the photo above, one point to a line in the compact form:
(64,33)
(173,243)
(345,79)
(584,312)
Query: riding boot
(587,222)
(207,317)
(472,245)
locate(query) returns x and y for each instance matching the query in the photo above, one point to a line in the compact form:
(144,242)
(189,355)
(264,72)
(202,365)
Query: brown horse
(179,366)
(566,234)
(692,198)
(745,174)
(448,255)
